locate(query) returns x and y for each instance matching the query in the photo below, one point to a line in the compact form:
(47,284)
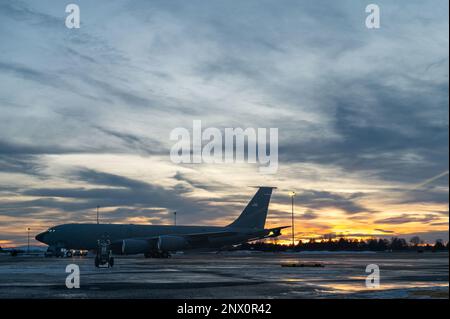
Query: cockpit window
(51,230)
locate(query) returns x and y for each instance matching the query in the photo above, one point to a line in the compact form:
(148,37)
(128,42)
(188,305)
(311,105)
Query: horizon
(287,243)
(285,239)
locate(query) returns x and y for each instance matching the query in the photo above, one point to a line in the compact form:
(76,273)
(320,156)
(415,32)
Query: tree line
(347,244)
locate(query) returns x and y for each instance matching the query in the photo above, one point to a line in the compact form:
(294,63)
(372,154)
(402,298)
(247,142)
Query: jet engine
(135,246)
(172,243)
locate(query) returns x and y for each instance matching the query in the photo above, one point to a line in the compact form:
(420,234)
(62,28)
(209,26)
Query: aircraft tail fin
(254,215)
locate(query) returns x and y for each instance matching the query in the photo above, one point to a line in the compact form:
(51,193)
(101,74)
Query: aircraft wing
(201,237)
(193,238)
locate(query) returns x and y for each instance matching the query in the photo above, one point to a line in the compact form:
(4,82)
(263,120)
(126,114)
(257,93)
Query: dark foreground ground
(230,275)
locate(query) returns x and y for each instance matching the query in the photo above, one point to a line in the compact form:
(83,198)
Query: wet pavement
(237,274)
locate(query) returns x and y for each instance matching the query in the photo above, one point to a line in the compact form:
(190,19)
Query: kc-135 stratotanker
(159,240)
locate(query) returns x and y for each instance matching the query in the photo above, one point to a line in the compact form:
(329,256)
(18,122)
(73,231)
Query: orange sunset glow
(377,211)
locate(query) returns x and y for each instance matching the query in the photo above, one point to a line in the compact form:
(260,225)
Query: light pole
(97,213)
(292,194)
(175,218)
(28,235)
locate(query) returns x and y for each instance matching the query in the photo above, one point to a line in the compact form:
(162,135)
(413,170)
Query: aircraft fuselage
(85,236)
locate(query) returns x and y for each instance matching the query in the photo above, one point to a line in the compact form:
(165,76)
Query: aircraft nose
(41,237)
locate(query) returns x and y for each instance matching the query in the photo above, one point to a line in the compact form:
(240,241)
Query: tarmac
(239,274)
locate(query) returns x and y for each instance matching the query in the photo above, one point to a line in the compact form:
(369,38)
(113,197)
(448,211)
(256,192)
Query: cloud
(440,224)
(408,218)
(17,163)
(308,215)
(123,194)
(29,74)
(133,142)
(194,184)
(334,235)
(119,191)
(385,231)
(18,10)
(322,199)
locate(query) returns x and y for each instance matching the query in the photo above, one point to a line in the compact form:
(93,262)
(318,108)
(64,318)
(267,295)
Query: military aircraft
(158,241)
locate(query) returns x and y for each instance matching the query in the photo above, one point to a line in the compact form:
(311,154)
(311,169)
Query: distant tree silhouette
(438,246)
(398,244)
(346,244)
(416,241)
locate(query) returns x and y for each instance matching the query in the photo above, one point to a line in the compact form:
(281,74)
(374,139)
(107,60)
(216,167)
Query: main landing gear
(157,254)
(104,254)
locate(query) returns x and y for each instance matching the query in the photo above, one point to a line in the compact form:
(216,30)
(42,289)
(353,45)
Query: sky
(362,114)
